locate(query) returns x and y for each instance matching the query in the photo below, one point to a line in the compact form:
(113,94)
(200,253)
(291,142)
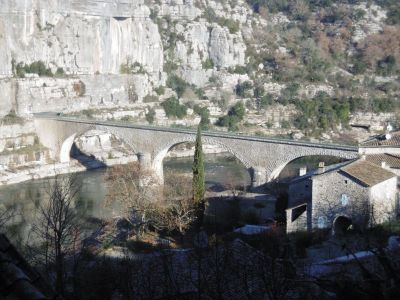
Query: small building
(357,193)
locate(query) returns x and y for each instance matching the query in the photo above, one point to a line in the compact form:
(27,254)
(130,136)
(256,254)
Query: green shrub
(37,67)
(177,84)
(232,25)
(173,108)
(242,89)
(131,68)
(204,113)
(11,118)
(160,90)
(208,64)
(235,115)
(238,70)
(150,115)
(60,72)
(150,98)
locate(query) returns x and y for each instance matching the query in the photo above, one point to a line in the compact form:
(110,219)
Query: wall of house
(383,201)
(298,224)
(327,204)
(299,192)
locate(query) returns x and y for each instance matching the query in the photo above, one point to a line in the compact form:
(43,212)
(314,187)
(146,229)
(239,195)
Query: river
(222,171)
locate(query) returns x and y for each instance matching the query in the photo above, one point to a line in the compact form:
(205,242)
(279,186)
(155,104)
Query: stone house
(357,193)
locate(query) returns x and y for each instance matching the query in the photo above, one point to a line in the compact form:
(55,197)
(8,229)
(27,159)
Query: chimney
(302,171)
(363,157)
(321,167)
(383,164)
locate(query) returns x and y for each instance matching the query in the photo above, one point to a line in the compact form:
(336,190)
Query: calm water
(222,171)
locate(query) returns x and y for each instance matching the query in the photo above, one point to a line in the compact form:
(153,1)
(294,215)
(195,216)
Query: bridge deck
(52,116)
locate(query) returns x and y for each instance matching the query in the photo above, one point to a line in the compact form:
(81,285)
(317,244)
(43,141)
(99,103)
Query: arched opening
(341,225)
(223,170)
(96,148)
(304,164)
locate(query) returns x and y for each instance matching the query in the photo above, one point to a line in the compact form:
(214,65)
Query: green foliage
(177,84)
(322,113)
(160,90)
(238,70)
(150,98)
(131,68)
(170,66)
(232,25)
(173,108)
(199,186)
(11,118)
(60,72)
(37,67)
(381,105)
(386,66)
(211,17)
(265,101)
(204,113)
(208,64)
(393,15)
(242,89)
(235,115)
(150,115)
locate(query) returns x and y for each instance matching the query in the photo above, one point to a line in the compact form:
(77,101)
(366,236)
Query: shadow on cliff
(88,161)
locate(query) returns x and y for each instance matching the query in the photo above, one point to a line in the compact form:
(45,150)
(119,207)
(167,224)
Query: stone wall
(327,191)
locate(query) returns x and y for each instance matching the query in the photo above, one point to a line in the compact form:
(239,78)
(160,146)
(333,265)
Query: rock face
(82,37)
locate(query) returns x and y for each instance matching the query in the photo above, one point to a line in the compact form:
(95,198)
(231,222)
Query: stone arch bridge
(263,157)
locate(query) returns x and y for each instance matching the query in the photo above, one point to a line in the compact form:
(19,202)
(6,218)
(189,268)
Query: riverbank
(41,171)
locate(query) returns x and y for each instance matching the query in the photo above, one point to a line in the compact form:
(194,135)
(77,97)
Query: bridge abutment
(258,176)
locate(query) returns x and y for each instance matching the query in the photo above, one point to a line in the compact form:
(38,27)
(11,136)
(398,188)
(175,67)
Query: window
(344,199)
(345,181)
(322,222)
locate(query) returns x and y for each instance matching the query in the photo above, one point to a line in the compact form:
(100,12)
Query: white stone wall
(383,201)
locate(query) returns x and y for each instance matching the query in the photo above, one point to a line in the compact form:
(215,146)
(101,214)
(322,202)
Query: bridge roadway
(263,157)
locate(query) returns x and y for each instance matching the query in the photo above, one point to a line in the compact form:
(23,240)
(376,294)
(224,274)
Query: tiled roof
(318,171)
(18,280)
(391,160)
(381,140)
(367,172)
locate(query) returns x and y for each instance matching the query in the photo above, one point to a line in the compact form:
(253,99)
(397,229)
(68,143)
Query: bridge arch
(67,145)
(277,171)
(157,164)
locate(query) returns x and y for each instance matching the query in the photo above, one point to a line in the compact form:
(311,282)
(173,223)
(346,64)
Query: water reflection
(25,198)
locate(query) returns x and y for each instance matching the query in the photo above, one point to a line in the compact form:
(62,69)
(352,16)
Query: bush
(60,72)
(11,118)
(208,64)
(173,108)
(177,84)
(150,98)
(204,113)
(160,90)
(242,89)
(238,70)
(37,67)
(150,115)
(235,115)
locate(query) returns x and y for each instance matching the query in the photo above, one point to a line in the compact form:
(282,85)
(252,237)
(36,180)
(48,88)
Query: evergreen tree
(198,170)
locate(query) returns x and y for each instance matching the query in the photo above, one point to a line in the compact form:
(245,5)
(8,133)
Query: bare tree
(56,228)
(137,201)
